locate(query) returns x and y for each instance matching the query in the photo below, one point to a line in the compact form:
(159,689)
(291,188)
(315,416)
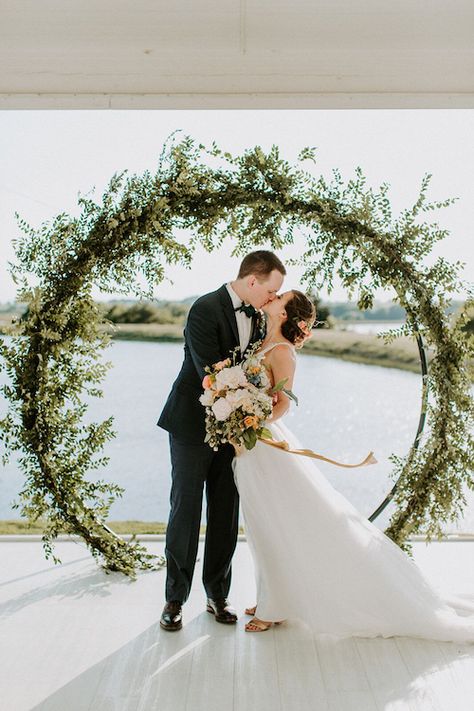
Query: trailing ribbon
(370,459)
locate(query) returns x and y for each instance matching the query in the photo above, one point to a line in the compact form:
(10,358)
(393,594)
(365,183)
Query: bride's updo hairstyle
(301,313)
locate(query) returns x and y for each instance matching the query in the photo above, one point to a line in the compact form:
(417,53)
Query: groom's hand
(238,448)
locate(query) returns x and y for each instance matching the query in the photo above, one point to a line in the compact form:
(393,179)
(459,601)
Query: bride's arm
(283,364)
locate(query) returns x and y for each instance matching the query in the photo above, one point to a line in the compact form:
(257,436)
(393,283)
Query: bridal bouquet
(238,400)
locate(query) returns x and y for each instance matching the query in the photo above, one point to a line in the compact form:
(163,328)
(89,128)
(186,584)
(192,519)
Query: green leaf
(291,395)
(250,438)
(278,386)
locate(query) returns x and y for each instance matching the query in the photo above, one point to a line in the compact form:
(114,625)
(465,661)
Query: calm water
(370,326)
(345,410)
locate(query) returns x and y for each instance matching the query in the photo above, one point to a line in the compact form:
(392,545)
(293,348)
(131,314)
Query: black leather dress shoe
(222,611)
(172,616)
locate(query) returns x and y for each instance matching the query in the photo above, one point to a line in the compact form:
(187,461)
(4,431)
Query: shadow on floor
(210,666)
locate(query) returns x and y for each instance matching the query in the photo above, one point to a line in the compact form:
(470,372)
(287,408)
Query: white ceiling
(236,53)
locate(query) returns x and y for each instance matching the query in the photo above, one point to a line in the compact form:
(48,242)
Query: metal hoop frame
(421,422)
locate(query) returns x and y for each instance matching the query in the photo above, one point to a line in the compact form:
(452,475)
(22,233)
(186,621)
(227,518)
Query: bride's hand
(275,399)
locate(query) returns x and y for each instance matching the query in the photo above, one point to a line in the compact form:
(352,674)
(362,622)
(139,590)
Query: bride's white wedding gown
(317,559)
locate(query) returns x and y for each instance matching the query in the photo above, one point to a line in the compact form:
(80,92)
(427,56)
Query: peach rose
(303,325)
(222,364)
(207,382)
(251,421)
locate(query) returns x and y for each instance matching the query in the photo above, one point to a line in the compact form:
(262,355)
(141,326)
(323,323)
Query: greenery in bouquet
(238,397)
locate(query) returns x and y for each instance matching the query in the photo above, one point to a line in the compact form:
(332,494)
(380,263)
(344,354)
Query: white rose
(221,409)
(247,406)
(230,378)
(235,397)
(207,398)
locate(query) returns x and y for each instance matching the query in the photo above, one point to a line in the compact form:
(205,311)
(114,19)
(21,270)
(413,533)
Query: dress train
(319,560)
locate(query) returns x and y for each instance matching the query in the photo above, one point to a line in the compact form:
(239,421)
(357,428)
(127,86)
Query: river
(345,409)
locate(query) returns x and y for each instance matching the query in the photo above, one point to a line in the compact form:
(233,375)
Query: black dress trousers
(195,466)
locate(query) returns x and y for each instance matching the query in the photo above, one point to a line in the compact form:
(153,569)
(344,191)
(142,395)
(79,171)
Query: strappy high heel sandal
(252,610)
(256,625)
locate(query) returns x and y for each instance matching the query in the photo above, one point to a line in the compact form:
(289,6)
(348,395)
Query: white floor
(74,638)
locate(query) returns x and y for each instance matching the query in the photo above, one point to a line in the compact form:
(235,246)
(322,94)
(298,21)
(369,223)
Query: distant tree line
(469,325)
(381,311)
(348,311)
(175,312)
(166,312)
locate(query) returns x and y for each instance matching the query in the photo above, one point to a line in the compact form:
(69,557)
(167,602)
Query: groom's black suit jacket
(210,335)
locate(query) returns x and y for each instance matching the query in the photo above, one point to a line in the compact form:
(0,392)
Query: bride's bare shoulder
(281,352)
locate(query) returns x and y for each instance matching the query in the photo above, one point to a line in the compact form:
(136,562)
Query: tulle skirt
(317,559)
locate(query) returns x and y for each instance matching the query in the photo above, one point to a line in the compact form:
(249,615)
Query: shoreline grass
(15,527)
(346,345)
(365,348)
(21,526)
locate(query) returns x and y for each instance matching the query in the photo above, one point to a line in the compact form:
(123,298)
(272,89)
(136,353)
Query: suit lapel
(254,331)
(228,310)
(258,322)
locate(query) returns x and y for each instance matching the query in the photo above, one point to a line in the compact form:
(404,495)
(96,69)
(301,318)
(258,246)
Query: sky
(48,157)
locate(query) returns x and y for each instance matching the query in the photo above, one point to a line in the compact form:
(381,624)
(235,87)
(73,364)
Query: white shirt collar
(236,300)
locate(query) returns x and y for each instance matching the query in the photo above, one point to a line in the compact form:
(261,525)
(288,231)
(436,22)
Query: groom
(217,323)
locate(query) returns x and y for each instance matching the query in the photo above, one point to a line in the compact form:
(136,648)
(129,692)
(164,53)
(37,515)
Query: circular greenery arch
(348,229)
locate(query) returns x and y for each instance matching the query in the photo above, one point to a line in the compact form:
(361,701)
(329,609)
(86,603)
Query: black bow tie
(248,309)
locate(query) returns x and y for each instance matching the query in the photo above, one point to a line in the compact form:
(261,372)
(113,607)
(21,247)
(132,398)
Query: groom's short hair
(261,263)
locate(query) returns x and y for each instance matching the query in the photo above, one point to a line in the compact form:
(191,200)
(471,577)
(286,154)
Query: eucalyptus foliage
(132,234)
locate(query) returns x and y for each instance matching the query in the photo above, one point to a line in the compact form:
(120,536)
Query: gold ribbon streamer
(370,459)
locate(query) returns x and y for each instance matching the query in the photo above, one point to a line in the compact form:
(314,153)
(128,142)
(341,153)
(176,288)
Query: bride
(316,558)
